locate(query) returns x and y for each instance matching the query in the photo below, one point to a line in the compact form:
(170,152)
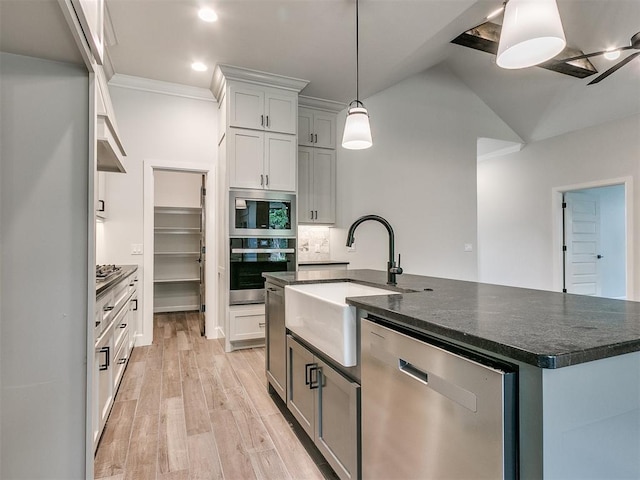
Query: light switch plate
(468,247)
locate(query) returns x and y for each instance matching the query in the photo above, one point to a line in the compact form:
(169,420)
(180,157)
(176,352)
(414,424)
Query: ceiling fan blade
(617,66)
(594,54)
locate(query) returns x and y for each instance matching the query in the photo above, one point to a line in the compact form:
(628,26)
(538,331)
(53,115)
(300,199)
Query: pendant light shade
(531,33)
(357,131)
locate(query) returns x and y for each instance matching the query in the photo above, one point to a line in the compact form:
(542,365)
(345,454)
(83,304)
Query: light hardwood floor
(187,410)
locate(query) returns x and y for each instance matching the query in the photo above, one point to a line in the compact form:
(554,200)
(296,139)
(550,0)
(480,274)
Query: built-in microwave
(255,213)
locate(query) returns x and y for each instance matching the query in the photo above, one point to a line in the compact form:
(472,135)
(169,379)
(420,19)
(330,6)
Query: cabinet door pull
(313,384)
(307,367)
(267,182)
(268,121)
(316,138)
(316,214)
(311,214)
(122,361)
(261,180)
(98,323)
(262,324)
(311,139)
(101,205)
(106,362)
(262,120)
(108,308)
(136,301)
(123,325)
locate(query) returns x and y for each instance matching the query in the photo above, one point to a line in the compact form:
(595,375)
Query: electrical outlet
(352,248)
(136,249)
(468,247)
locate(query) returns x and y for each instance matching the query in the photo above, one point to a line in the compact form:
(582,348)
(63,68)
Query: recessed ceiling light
(612,55)
(199,67)
(207,14)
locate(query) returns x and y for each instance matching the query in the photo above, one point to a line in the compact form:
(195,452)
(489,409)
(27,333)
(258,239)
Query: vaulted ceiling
(315,40)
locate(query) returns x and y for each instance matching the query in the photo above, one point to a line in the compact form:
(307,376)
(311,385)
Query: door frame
(145,336)
(558,227)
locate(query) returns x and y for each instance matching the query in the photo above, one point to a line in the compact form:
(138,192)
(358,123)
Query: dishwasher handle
(413,371)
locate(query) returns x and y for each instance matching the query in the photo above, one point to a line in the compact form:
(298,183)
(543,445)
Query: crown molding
(224,73)
(157,86)
(321,104)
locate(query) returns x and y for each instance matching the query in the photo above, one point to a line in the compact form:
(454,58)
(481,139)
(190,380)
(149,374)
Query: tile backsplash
(313,243)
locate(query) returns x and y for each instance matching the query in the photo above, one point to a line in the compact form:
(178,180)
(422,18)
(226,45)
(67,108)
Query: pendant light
(531,33)
(357,132)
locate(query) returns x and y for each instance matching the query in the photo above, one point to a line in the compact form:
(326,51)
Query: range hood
(109,148)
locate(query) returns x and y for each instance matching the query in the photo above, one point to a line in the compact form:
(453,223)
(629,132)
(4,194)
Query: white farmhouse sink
(317,312)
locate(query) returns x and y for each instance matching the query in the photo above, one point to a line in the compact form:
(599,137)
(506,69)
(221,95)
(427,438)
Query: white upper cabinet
(280,162)
(316,128)
(316,185)
(261,160)
(262,108)
(258,124)
(90,14)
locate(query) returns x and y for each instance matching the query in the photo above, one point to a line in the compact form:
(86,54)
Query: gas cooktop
(104,272)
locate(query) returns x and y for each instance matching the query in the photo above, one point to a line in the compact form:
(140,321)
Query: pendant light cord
(357,55)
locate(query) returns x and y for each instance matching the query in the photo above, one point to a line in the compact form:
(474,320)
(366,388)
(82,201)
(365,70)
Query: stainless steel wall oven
(250,256)
(262,214)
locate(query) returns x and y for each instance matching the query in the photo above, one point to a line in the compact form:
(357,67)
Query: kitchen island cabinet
(577,361)
(275,339)
(326,403)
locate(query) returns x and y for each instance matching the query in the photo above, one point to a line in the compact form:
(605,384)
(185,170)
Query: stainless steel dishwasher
(429,413)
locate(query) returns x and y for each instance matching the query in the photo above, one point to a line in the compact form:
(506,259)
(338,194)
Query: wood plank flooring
(188,410)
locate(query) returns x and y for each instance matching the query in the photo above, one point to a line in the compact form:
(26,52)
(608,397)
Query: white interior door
(582,242)
(203,252)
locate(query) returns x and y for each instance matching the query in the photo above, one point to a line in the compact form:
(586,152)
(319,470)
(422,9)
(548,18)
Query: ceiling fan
(635,45)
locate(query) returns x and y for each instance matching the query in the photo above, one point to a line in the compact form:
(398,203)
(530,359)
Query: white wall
(515,214)
(420,175)
(44,256)
(157,128)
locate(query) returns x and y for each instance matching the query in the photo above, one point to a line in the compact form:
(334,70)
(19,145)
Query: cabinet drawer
(121,329)
(246,323)
(120,361)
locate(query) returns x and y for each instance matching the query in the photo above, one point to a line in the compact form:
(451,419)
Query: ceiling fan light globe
(612,55)
(531,34)
(357,131)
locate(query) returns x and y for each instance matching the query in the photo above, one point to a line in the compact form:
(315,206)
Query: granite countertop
(323,262)
(541,328)
(103,286)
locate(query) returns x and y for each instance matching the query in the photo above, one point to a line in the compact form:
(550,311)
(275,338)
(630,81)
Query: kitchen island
(577,360)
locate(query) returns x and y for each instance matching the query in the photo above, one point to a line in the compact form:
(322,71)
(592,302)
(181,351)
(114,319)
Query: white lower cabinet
(102,383)
(327,405)
(117,308)
(246,322)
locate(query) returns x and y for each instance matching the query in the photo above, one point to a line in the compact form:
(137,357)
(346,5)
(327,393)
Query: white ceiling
(315,40)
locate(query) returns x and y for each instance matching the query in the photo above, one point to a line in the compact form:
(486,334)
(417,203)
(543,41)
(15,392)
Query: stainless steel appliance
(249,258)
(431,413)
(262,214)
